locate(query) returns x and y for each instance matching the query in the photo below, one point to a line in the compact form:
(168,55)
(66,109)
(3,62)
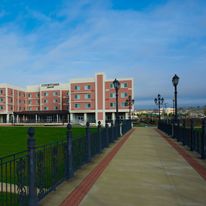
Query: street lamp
(159,101)
(129,102)
(175,81)
(116,84)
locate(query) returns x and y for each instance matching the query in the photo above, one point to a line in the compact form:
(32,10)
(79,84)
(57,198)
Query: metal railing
(192,138)
(27,177)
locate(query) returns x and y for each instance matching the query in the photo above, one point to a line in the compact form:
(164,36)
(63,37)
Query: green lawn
(14,139)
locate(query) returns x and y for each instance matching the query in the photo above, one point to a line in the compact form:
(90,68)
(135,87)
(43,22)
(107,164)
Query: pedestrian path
(147,171)
(142,169)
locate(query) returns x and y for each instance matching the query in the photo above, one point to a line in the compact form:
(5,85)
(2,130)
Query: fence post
(203,139)
(173,128)
(191,133)
(88,140)
(112,127)
(99,136)
(178,130)
(120,129)
(183,131)
(107,135)
(70,171)
(33,199)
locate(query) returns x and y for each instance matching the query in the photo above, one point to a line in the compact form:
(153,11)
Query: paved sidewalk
(147,171)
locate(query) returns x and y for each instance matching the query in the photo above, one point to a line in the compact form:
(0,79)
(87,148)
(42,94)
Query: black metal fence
(28,176)
(184,131)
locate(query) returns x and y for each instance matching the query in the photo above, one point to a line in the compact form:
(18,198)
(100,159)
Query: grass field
(14,139)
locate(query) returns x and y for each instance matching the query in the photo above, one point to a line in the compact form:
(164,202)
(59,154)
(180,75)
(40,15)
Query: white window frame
(77,96)
(55,94)
(77,106)
(112,95)
(87,105)
(112,104)
(77,87)
(87,87)
(46,94)
(124,85)
(124,94)
(111,85)
(87,96)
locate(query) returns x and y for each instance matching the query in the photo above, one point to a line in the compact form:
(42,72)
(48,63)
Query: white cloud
(149,46)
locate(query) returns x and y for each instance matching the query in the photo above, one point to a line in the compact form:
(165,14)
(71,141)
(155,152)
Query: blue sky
(149,40)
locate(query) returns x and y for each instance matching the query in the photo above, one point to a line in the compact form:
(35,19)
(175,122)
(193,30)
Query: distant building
(80,100)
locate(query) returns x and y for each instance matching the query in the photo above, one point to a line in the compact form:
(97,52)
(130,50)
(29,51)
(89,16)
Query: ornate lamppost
(129,102)
(175,81)
(159,101)
(116,84)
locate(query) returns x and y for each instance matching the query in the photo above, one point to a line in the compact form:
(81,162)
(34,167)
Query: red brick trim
(77,195)
(185,154)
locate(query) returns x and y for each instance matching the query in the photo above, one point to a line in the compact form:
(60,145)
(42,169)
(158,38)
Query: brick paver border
(77,195)
(185,154)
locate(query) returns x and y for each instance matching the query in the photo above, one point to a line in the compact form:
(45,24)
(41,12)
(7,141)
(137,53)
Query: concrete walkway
(145,171)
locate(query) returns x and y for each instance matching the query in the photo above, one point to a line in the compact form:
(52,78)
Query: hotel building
(80,100)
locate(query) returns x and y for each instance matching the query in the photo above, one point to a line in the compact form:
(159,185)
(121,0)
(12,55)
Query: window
(111,85)
(77,105)
(1,99)
(87,105)
(11,107)
(45,94)
(11,100)
(123,95)
(67,93)
(37,101)
(77,87)
(67,101)
(37,94)
(30,108)
(112,104)
(45,108)
(1,91)
(56,108)
(29,95)
(87,96)
(124,104)
(112,95)
(77,96)
(55,93)
(87,87)
(29,102)
(124,85)
(55,101)
(1,107)
(45,100)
